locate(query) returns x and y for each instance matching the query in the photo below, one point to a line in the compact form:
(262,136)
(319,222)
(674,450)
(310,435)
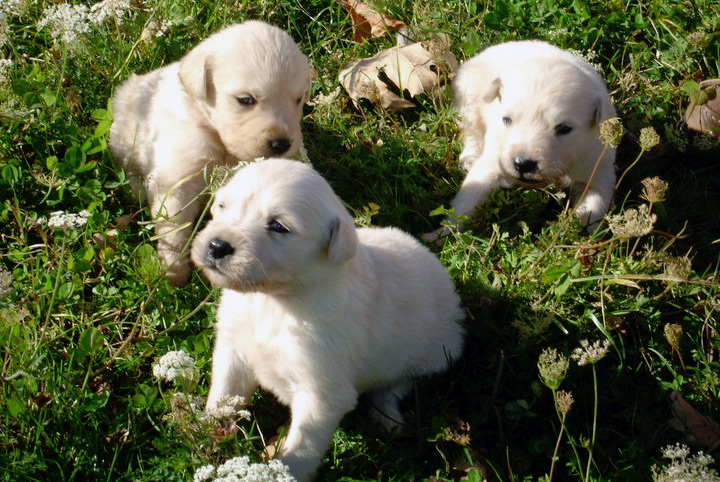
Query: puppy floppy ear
(343,242)
(596,113)
(196,73)
(494,91)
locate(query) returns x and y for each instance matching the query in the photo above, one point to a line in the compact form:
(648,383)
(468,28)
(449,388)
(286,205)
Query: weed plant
(85,312)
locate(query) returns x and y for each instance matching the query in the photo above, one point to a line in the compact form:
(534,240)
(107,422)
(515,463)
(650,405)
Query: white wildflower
(587,353)
(172,365)
(16,8)
(67,23)
(5,65)
(6,282)
(63,220)
(109,9)
(4,28)
(230,407)
(632,223)
(241,469)
(206,472)
(685,467)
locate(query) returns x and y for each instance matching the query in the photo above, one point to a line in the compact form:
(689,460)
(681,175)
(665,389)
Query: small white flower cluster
(632,223)
(6,282)
(684,467)
(587,353)
(63,220)
(172,365)
(109,10)
(5,65)
(68,23)
(240,469)
(16,8)
(230,407)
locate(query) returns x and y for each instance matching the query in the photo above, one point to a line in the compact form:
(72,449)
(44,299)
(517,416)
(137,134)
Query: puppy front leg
(594,205)
(231,375)
(476,187)
(315,416)
(175,207)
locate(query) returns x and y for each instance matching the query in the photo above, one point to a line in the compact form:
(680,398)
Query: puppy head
(546,122)
(251,80)
(276,225)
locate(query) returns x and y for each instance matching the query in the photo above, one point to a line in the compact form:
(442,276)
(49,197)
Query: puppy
(236,96)
(530,113)
(317,311)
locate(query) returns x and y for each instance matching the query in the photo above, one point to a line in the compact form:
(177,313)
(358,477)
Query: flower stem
(594,427)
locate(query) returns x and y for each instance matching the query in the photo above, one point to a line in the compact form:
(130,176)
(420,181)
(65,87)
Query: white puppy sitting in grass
(530,113)
(317,311)
(236,96)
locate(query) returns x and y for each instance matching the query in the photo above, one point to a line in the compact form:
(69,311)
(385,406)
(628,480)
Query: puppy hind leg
(175,209)
(385,407)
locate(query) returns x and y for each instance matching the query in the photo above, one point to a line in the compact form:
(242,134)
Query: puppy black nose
(279,145)
(525,166)
(218,249)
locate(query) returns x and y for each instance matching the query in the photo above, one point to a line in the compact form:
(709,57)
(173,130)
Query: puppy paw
(178,274)
(435,238)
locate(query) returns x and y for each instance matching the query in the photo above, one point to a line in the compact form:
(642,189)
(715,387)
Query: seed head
(648,138)
(654,189)
(565,401)
(552,367)
(673,334)
(611,132)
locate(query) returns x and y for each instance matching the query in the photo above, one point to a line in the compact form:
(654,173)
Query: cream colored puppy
(317,311)
(236,96)
(530,114)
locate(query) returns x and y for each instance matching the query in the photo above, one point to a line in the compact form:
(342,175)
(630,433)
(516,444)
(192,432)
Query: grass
(85,311)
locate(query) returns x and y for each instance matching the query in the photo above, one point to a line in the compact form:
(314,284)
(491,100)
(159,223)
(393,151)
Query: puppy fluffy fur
(317,311)
(530,113)
(236,96)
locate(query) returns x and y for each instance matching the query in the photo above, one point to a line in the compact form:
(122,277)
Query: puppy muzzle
(217,250)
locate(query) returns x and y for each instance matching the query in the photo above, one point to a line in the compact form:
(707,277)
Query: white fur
(174,122)
(323,312)
(538,87)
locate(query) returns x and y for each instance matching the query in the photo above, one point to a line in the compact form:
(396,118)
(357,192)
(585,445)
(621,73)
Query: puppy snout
(525,166)
(279,145)
(219,249)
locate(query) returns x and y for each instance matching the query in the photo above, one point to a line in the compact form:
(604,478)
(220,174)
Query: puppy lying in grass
(236,96)
(317,311)
(530,114)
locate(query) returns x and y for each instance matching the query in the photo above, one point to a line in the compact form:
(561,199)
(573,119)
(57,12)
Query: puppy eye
(507,121)
(276,227)
(562,129)
(219,206)
(246,100)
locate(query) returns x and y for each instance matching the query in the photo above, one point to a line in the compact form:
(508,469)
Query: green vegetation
(85,311)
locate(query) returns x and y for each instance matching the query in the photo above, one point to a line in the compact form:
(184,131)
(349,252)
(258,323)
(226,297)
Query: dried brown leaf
(411,70)
(367,23)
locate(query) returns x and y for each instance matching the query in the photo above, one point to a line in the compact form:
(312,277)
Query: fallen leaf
(699,429)
(367,23)
(392,76)
(703,113)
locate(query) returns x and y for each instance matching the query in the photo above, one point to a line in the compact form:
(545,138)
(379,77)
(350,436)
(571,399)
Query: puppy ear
(597,113)
(343,240)
(196,73)
(494,91)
